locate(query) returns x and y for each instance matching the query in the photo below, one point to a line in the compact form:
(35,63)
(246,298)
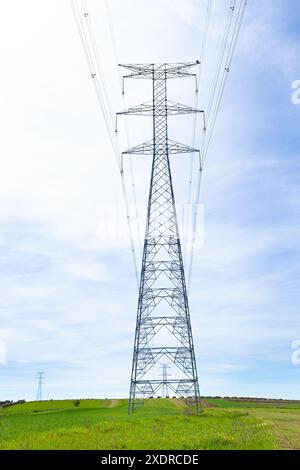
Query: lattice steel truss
(40,379)
(163,327)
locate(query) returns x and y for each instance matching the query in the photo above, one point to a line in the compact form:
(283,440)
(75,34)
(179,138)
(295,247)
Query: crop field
(161,424)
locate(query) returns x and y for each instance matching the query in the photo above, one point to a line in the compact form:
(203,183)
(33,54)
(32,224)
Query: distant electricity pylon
(40,380)
(163,310)
(165,389)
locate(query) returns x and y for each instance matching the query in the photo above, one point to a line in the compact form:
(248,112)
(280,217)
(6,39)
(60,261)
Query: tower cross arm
(169,70)
(172,108)
(173,148)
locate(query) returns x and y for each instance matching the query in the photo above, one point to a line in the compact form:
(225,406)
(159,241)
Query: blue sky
(68,293)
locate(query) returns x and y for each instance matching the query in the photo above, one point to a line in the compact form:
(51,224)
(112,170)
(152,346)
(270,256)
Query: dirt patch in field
(206,404)
(178,402)
(284,442)
(113,403)
(286,425)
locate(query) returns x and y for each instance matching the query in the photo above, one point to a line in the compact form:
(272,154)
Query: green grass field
(161,424)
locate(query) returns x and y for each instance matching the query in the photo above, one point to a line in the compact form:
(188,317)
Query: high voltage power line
(163,299)
(202,58)
(232,28)
(86,33)
(120,79)
(234,18)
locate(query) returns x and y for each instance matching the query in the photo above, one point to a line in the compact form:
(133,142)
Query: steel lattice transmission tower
(165,390)
(40,380)
(163,326)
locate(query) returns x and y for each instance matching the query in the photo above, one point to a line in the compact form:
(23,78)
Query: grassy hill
(160,424)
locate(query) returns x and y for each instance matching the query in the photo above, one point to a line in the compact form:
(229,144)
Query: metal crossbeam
(163,326)
(173,109)
(147,148)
